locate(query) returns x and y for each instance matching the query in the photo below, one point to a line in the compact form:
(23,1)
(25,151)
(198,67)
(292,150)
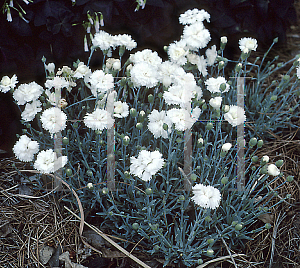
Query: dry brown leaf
(266,217)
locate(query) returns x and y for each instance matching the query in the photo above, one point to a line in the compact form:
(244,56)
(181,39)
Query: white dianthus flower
(179,95)
(156,124)
(213,84)
(121,109)
(196,36)
(265,159)
(27,92)
(103,40)
(182,118)
(247,43)
(166,72)
(235,116)
(99,120)
(206,196)
(215,102)
(273,170)
(99,82)
(47,161)
(126,41)
(81,71)
(6,83)
(146,164)
(178,51)
(143,74)
(147,56)
(53,120)
(50,67)
(202,64)
(211,54)
(57,83)
(193,16)
(25,149)
(31,109)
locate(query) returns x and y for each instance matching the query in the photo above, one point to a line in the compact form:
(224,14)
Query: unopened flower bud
(223,86)
(210,252)
(193,177)
(139,126)
(90,185)
(252,142)
(275,40)
(254,159)
(209,126)
(268,225)
(224,39)
(150,98)
(224,180)
(265,159)
(133,112)
(274,98)
(165,126)
(279,163)
(260,143)
(105,190)
(200,142)
(226,147)
(289,178)
(238,67)
(273,170)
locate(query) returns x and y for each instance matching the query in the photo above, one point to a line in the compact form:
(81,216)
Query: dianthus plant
(177,198)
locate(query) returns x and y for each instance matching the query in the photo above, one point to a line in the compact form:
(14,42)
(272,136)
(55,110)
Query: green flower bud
(224,180)
(181,198)
(260,143)
(148,191)
(265,209)
(279,163)
(150,98)
(199,261)
(268,226)
(264,170)
(208,219)
(289,178)
(65,141)
(210,252)
(139,126)
(234,223)
(274,98)
(165,126)
(238,67)
(126,140)
(210,240)
(223,87)
(254,159)
(253,142)
(69,172)
(105,190)
(204,106)
(75,125)
(209,126)
(89,173)
(160,95)
(193,177)
(154,227)
(133,112)
(275,40)
(286,78)
(135,226)
(253,168)
(280,64)
(156,247)
(238,227)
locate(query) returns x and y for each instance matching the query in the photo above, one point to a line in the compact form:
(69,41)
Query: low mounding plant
(176,199)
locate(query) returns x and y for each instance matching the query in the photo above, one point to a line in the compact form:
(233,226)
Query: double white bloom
(146,164)
(206,196)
